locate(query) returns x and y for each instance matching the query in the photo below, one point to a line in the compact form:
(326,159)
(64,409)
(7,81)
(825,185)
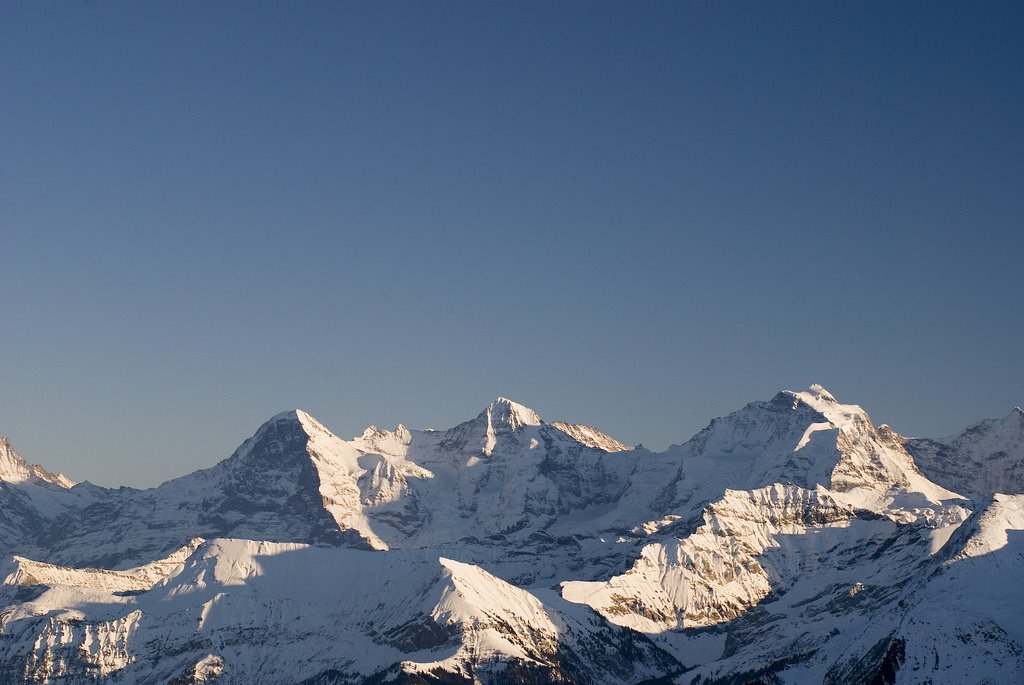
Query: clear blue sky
(637,215)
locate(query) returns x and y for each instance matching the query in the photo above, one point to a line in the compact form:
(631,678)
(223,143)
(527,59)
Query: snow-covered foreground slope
(791,541)
(286,612)
(33,573)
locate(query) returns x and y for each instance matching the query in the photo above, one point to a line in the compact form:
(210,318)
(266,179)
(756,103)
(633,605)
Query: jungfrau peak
(792,541)
(871,458)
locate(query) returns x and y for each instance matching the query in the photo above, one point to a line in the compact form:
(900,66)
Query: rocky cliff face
(715,574)
(791,541)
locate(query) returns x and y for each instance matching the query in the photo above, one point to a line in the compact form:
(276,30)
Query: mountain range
(792,541)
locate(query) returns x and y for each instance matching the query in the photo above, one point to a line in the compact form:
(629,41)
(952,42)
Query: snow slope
(287,612)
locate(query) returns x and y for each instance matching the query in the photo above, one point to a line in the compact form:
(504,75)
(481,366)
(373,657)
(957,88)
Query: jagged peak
(500,417)
(15,469)
(372,431)
(504,412)
(383,441)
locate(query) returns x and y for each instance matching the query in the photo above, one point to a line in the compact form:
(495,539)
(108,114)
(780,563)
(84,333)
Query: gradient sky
(635,215)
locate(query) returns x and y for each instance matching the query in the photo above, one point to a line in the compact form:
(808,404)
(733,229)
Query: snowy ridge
(590,436)
(792,541)
(712,575)
(987,457)
(29,572)
(990,529)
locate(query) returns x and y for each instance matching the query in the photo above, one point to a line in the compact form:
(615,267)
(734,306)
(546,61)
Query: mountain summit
(504,412)
(14,469)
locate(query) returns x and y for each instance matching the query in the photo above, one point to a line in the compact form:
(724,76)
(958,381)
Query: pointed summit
(289,435)
(500,419)
(14,468)
(295,417)
(505,416)
(292,422)
(505,412)
(274,434)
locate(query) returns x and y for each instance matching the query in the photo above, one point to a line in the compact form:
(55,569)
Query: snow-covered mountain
(791,541)
(987,457)
(31,498)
